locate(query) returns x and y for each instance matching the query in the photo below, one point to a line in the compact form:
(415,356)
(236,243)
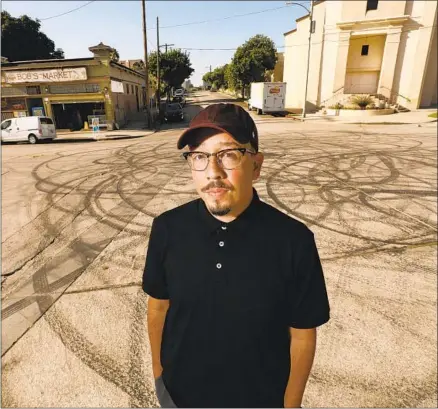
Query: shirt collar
(242,221)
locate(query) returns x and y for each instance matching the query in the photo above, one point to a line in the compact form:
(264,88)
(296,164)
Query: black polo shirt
(235,289)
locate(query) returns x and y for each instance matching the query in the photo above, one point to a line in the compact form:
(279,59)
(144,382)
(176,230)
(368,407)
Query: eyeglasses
(226,159)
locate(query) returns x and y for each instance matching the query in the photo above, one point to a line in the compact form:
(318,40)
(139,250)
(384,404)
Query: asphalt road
(76,219)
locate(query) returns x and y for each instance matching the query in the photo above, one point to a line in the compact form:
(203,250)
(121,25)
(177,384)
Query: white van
(27,128)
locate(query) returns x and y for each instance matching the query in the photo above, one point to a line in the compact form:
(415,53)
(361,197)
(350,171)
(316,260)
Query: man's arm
(302,350)
(157,311)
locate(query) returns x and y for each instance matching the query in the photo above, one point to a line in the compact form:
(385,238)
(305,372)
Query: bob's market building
(74,91)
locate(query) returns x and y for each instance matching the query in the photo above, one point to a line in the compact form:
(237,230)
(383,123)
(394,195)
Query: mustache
(217,185)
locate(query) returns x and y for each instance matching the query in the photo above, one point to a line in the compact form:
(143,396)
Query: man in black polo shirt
(236,289)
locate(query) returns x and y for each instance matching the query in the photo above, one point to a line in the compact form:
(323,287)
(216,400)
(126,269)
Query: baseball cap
(229,118)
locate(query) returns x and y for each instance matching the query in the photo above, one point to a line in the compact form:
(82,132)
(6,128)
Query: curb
(390,123)
(99,138)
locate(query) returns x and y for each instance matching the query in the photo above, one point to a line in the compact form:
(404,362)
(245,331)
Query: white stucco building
(386,48)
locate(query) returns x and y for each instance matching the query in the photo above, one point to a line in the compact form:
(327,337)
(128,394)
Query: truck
(267,97)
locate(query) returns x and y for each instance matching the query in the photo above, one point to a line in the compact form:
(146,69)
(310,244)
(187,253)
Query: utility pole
(158,69)
(146,67)
(311,29)
(166,45)
(308,57)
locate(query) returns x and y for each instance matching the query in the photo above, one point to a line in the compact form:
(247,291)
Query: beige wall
(363,71)
(356,10)
(402,56)
(295,61)
(294,67)
(332,38)
(429,94)
(370,62)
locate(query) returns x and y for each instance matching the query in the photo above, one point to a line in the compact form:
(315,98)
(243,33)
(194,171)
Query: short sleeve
(308,305)
(154,277)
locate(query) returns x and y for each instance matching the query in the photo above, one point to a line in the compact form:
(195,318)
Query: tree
(115,55)
(216,78)
(207,77)
(252,59)
(139,66)
(230,77)
(175,68)
(22,40)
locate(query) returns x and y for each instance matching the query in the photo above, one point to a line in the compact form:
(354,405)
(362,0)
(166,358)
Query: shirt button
(218,265)
(221,244)
(224,227)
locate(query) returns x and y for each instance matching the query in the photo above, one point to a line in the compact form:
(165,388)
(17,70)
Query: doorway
(73,115)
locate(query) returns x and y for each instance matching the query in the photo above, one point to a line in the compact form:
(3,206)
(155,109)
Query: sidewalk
(416,117)
(402,118)
(103,135)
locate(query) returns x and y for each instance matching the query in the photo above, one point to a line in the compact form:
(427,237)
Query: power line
(222,18)
(67,12)
(306,44)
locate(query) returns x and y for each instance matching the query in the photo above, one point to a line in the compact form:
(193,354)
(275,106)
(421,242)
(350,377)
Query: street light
(292,3)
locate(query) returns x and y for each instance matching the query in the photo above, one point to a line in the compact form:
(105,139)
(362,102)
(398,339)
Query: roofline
(127,68)
(302,17)
(290,32)
(315,3)
(18,63)
(10,63)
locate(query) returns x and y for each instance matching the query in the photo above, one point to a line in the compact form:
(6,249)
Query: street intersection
(76,219)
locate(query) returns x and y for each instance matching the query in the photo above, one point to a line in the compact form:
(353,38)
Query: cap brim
(184,139)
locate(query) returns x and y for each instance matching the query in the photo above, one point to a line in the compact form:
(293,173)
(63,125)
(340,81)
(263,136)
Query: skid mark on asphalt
(325,182)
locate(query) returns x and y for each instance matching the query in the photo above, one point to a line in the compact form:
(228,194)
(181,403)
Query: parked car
(27,128)
(178,92)
(174,112)
(213,89)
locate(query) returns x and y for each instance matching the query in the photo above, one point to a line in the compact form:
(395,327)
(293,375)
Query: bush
(361,101)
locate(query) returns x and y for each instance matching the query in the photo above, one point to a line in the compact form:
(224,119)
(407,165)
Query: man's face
(226,192)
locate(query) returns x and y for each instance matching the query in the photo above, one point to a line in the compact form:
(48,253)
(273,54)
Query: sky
(119,25)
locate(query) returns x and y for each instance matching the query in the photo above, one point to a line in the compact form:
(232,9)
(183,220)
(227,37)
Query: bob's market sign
(59,75)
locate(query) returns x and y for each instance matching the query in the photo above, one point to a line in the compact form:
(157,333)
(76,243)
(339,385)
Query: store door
(72,116)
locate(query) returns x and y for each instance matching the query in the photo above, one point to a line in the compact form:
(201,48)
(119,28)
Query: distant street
(76,219)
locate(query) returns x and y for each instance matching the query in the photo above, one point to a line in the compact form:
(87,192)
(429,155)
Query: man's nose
(214,171)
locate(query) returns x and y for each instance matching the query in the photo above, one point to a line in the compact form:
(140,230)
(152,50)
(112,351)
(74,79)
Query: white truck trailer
(267,97)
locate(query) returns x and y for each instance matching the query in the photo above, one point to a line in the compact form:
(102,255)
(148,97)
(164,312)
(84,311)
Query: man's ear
(258,161)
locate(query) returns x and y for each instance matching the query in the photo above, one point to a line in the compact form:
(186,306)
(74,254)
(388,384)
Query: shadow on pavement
(221,100)
(69,141)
